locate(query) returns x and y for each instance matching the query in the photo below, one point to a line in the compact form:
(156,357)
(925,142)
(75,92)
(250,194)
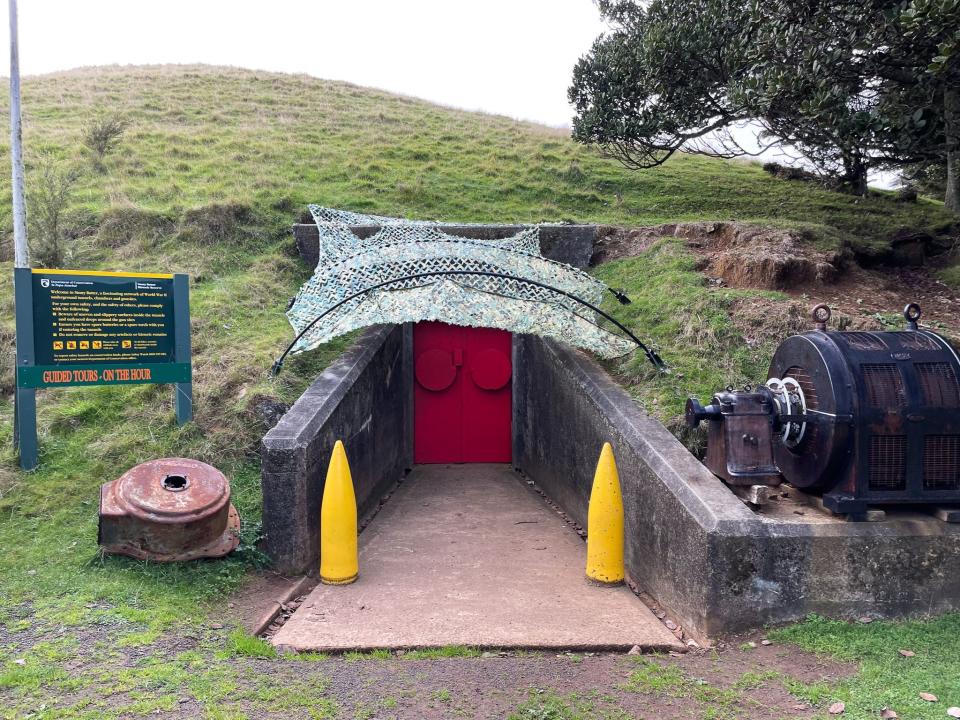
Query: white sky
(512,57)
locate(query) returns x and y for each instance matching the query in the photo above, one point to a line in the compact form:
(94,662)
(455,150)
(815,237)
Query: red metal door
(462,397)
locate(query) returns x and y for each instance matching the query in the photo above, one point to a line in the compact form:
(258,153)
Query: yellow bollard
(605,523)
(339,564)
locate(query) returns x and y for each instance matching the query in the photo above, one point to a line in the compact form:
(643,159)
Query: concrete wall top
(571,244)
(704,496)
(313,409)
(363,398)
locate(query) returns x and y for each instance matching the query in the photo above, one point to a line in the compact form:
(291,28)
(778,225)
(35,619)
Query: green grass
(443,695)
(448,651)
(951,276)
(654,678)
(233,156)
(242,643)
(275,142)
(105,689)
(885,678)
(215,166)
(691,326)
(355,656)
(548,705)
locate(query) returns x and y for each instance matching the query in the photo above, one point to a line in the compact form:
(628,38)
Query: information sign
(87,327)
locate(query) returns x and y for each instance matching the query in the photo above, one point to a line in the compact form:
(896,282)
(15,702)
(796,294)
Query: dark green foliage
(929,178)
(848,84)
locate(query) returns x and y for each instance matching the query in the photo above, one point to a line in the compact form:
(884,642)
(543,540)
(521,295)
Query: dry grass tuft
(215,223)
(121,224)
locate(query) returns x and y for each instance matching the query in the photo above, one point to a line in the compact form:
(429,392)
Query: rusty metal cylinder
(168,510)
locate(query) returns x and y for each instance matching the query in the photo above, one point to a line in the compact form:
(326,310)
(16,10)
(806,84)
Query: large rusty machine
(863,418)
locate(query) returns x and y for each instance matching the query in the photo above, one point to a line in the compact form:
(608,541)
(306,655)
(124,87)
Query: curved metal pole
(651,355)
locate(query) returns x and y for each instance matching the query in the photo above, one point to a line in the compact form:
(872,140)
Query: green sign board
(86,327)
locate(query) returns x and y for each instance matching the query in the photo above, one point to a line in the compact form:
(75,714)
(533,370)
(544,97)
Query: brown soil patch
(748,256)
(742,255)
(860,294)
(860,300)
(498,686)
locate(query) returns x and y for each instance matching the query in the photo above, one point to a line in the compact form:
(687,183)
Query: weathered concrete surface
(469,555)
(571,244)
(690,542)
(363,399)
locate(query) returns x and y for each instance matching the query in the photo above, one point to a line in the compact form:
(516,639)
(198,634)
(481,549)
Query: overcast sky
(512,57)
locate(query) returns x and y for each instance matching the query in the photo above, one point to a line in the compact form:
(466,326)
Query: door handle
(458,358)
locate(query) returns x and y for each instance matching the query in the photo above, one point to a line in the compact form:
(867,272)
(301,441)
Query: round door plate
(490,369)
(435,369)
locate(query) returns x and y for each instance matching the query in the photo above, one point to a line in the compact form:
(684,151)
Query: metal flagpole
(25,399)
(21,251)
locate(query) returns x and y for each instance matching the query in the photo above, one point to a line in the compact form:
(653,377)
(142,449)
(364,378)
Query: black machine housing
(865,418)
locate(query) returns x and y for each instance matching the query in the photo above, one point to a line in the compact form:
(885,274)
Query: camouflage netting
(412,270)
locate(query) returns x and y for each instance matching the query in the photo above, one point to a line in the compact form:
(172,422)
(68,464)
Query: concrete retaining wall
(363,399)
(571,244)
(696,548)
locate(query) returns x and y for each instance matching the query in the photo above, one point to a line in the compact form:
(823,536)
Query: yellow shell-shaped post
(339,562)
(605,523)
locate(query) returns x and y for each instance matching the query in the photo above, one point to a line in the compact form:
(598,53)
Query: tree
(848,84)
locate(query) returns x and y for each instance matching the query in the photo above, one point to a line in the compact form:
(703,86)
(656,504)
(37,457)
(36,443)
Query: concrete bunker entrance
(715,565)
(455,551)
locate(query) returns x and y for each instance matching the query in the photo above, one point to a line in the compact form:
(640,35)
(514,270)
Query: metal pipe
(20,248)
(651,355)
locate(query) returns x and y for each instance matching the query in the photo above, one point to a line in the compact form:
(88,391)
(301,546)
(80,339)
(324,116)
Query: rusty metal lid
(174,490)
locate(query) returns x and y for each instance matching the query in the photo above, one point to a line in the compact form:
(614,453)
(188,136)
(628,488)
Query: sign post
(89,327)
(25,398)
(182,391)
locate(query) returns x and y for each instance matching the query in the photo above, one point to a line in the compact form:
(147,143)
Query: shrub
(50,190)
(102,135)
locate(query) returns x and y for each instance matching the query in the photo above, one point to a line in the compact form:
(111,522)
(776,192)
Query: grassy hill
(275,142)
(214,167)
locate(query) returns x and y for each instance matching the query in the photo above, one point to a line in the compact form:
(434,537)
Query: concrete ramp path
(470,555)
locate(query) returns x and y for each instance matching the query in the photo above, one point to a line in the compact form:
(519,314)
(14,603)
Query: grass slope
(214,167)
(277,142)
